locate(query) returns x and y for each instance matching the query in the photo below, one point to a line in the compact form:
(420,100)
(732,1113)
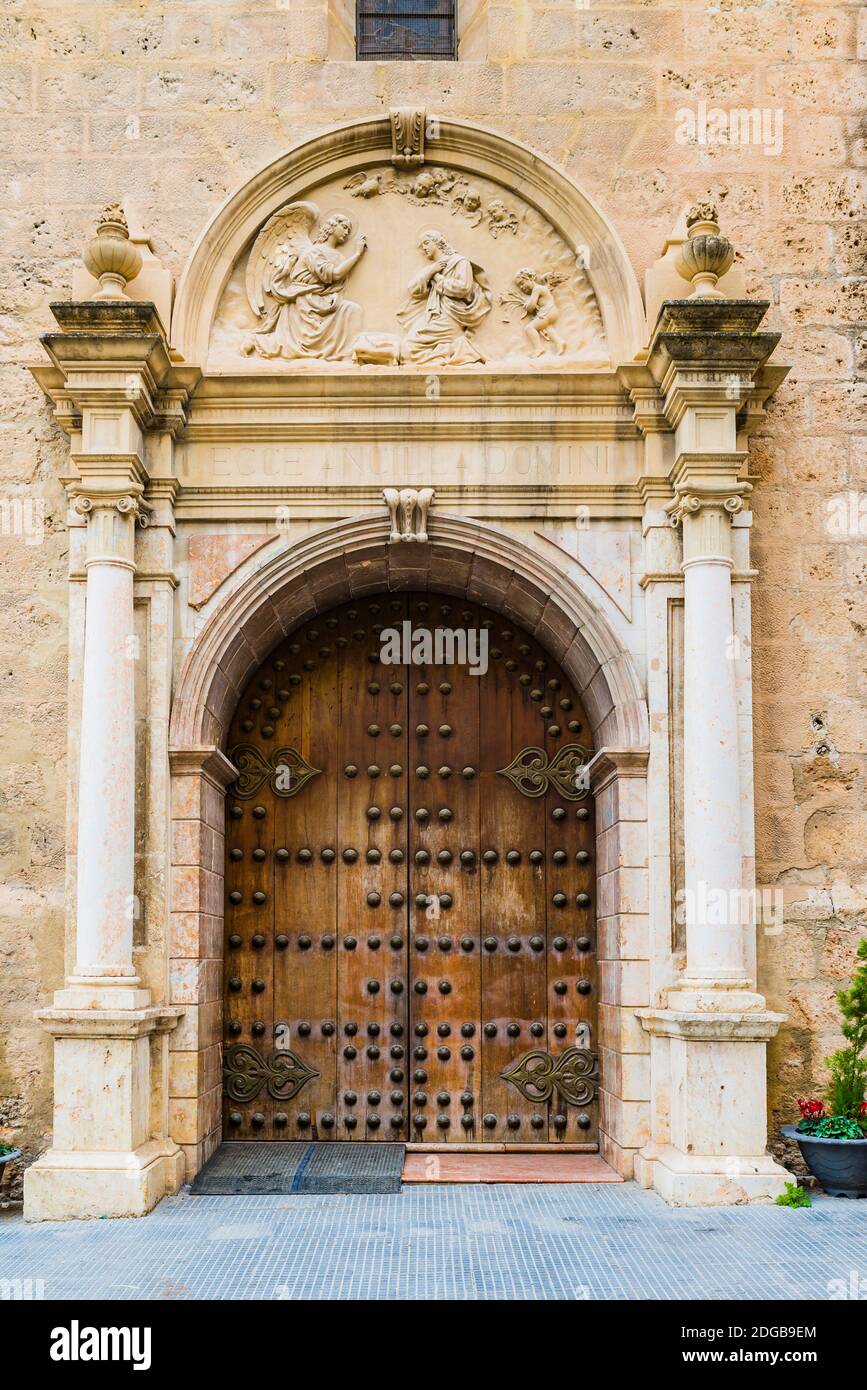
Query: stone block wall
(170,106)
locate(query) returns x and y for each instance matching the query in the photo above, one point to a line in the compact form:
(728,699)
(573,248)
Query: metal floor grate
(272,1169)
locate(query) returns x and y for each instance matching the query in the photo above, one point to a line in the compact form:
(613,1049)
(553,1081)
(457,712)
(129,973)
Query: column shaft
(712,849)
(106,812)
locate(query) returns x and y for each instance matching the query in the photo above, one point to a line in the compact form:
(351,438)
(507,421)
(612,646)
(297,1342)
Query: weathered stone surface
(170,110)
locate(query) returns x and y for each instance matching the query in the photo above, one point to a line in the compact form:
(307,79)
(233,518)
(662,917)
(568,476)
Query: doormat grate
(276,1169)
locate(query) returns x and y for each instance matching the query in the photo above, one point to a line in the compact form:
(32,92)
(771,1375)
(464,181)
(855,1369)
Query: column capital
(111,514)
(127,504)
(708,494)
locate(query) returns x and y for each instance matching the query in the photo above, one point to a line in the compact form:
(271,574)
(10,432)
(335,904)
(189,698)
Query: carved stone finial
(407,135)
(705,255)
(110,256)
(407,510)
(701,212)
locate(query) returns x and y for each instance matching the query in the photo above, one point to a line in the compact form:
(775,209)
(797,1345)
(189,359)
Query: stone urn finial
(705,255)
(110,256)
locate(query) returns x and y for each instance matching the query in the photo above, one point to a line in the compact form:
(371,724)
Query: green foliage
(794,1196)
(848,1066)
(6,1149)
(832,1127)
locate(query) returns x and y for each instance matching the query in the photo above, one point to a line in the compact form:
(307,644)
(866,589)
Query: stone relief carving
(533,295)
(407,509)
(295,281)
(448,299)
(364,185)
(436,185)
(290,300)
(500,218)
(467,201)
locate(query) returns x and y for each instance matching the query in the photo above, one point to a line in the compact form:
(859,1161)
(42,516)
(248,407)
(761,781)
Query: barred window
(406,29)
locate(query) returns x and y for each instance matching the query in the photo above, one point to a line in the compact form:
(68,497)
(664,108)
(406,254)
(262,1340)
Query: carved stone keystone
(408,509)
(407,135)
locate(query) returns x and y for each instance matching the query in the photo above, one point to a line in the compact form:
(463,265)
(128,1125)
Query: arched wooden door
(410,882)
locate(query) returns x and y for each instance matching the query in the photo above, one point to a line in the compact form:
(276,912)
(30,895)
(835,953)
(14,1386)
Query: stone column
(104,969)
(709,1028)
(110,1154)
(715,957)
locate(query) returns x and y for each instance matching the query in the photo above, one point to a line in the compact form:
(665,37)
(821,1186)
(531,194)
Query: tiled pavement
(438,1242)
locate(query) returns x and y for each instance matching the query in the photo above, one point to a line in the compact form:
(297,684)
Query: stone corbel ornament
(407,136)
(705,255)
(407,510)
(110,256)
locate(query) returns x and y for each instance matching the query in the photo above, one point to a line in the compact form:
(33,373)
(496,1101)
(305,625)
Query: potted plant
(7,1153)
(832,1134)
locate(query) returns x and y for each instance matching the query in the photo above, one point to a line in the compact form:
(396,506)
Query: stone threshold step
(437,1166)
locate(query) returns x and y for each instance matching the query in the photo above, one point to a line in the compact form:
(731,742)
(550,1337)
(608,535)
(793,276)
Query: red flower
(863,1107)
(812,1109)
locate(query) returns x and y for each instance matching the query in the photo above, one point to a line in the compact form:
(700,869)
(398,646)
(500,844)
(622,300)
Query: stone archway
(349,560)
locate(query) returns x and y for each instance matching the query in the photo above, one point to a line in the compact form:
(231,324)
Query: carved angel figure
(500,218)
(295,282)
(430,186)
(468,202)
(447,301)
(534,297)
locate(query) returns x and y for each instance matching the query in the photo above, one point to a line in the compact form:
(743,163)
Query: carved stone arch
(348,560)
(472,150)
(354,557)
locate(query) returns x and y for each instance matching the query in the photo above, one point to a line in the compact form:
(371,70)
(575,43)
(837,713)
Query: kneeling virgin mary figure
(449,299)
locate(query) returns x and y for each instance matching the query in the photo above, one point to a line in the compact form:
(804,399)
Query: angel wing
(283,237)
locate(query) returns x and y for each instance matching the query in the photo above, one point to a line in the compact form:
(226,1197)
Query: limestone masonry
(551,290)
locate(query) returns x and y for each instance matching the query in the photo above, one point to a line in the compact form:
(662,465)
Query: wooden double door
(410,880)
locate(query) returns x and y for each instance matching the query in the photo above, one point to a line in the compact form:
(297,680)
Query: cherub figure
(296,275)
(468,202)
(500,218)
(537,303)
(429,186)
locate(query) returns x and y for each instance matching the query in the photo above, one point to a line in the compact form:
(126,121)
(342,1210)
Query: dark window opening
(405,29)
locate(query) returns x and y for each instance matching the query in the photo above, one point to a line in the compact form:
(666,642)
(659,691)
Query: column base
(699,1180)
(111,1154)
(64,1186)
(82,993)
(709,1138)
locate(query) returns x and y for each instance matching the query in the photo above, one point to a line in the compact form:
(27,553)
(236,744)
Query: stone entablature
(550,487)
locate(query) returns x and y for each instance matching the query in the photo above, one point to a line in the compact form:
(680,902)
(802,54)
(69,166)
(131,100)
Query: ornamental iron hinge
(286,771)
(568,771)
(246,1071)
(573,1075)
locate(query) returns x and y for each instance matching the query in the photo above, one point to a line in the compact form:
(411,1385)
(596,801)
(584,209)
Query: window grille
(396,30)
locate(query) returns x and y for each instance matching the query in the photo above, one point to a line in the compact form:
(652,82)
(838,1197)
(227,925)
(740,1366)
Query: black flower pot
(839,1164)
